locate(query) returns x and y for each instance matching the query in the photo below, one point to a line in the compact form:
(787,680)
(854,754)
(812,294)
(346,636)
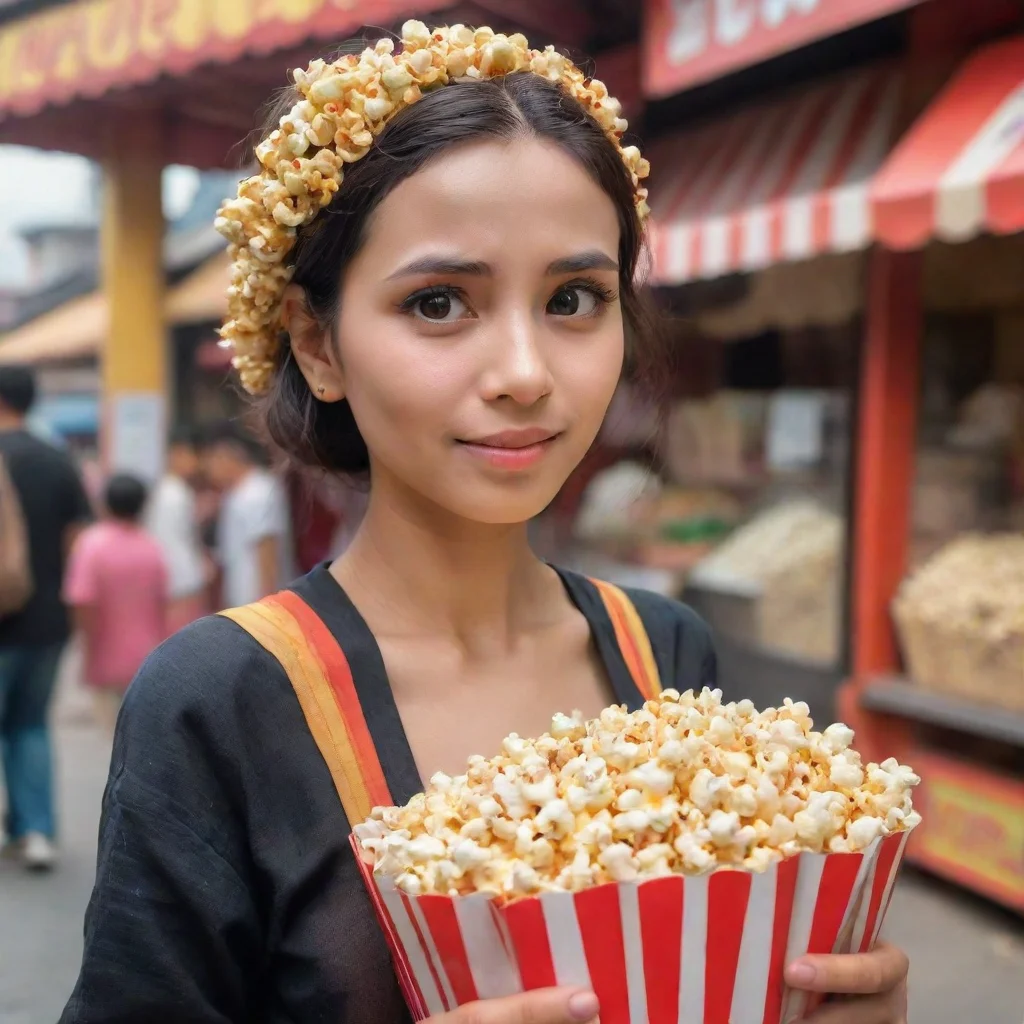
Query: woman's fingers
(544,1006)
(881,970)
(866,1010)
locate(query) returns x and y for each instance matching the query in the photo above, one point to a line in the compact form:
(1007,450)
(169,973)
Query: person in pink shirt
(117,587)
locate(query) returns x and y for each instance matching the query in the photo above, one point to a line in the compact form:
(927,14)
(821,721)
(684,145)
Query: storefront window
(970,450)
(960,612)
(775,438)
(739,502)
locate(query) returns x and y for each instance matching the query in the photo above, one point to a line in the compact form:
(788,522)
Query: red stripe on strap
(728,895)
(785,896)
(443,922)
(339,674)
(529,935)
(883,872)
(628,645)
(600,920)
(628,648)
(661,931)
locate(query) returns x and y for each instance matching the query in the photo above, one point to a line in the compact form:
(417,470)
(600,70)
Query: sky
(38,187)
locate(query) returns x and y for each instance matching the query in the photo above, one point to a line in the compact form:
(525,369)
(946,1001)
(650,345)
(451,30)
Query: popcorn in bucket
(673,860)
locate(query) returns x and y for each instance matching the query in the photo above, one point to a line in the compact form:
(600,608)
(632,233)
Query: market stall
(73,339)
(938,600)
(740,509)
(740,502)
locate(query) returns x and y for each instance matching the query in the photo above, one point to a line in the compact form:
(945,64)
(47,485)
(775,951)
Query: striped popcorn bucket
(706,949)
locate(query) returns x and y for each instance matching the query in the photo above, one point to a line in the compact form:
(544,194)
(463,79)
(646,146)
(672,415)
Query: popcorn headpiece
(344,106)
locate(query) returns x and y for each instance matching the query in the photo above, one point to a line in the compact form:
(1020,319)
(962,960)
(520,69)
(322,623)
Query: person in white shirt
(172,520)
(254,541)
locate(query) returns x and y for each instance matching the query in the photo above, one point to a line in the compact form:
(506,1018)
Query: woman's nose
(519,370)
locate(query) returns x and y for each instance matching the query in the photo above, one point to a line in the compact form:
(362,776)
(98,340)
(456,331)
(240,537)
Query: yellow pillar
(135,357)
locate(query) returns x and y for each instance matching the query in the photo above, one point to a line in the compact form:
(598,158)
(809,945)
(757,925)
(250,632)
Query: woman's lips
(512,449)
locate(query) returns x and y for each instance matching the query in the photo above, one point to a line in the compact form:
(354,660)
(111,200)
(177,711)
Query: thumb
(542,1006)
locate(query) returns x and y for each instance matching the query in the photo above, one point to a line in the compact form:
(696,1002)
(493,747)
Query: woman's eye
(573,301)
(439,307)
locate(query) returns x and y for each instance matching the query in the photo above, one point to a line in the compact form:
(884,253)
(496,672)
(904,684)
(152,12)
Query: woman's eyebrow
(592,259)
(441,265)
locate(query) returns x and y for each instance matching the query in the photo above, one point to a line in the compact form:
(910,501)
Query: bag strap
(632,638)
(286,627)
(16,583)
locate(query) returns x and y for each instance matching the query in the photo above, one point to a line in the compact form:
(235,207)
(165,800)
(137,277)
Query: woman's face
(480,336)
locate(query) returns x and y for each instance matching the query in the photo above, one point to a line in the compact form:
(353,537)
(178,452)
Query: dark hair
(17,388)
(183,437)
(325,435)
(125,497)
(231,434)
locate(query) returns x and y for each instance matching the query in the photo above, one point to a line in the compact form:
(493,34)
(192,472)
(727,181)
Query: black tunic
(226,890)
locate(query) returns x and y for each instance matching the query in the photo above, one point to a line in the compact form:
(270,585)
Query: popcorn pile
(343,106)
(975,585)
(686,785)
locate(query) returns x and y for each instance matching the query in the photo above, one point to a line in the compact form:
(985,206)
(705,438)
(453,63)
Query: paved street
(968,957)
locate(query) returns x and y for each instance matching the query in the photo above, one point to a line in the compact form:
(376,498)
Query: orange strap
(286,627)
(632,638)
(314,662)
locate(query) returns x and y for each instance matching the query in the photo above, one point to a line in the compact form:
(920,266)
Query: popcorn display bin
(705,949)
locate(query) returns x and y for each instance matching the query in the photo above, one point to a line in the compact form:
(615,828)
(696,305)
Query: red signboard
(973,828)
(691,41)
(85,48)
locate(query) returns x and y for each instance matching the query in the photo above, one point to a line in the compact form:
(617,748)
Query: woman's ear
(311,347)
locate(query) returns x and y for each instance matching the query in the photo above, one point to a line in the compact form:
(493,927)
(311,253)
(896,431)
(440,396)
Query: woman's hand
(543,1006)
(874,986)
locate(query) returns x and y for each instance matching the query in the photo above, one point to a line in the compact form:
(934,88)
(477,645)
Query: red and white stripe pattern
(783,181)
(708,949)
(960,170)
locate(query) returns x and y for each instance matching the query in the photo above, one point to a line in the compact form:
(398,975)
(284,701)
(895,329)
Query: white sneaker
(38,853)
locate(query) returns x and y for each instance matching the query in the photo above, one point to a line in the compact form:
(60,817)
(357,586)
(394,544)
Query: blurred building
(56,317)
(60,263)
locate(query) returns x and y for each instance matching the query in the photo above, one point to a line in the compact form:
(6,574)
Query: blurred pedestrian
(172,520)
(254,535)
(53,507)
(326,512)
(117,588)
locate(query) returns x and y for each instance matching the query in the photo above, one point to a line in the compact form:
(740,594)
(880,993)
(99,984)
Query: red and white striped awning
(960,170)
(781,181)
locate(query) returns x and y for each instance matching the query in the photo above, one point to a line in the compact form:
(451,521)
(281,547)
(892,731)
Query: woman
(455,325)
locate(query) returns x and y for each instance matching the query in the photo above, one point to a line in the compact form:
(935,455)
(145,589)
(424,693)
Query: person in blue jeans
(55,506)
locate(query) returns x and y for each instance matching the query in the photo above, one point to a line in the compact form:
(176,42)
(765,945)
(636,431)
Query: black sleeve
(77,507)
(172,932)
(681,640)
